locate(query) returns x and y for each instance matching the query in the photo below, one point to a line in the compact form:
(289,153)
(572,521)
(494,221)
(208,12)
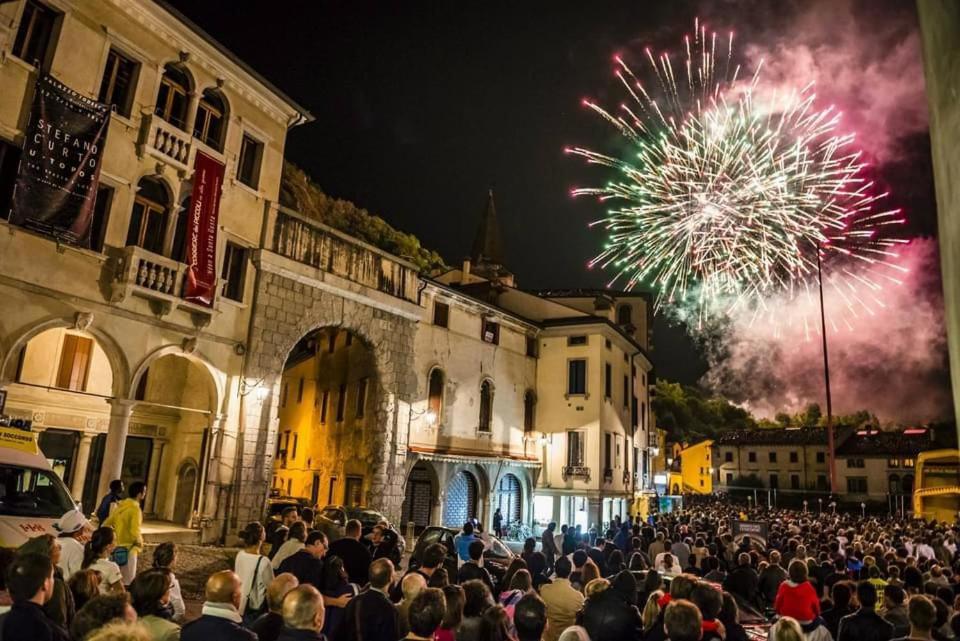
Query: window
(728,457)
(234,271)
(576,340)
(531,347)
(821,457)
(855,463)
(607,383)
(324,402)
(300,391)
(119,82)
(752,457)
(577,377)
(148,220)
(248,167)
(574,449)
(293,452)
(529,404)
(607,343)
(353,491)
(729,478)
(894,462)
(491,332)
(283,395)
(773,457)
(624,315)
(821,482)
(909,462)
(361,397)
(172,96)
(74,362)
(486,406)
(857,484)
(794,481)
(9,162)
(794,457)
(774,482)
(101,214)
(435,394)
(349,339)
(626,391)
(211,123)
(332,341)
(441,314)
(341,401)
(32,44)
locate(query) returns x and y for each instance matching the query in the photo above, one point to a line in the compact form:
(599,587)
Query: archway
(510,499)
(420,495)
(186,489)
(327,429)
(461,501)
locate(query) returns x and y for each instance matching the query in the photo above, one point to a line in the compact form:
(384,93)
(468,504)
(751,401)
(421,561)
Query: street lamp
(863,510)
(804,505)
(833,506)
(826,379)
(820,501)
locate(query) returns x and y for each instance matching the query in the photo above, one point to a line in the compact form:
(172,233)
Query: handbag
(251,612)
(121,556)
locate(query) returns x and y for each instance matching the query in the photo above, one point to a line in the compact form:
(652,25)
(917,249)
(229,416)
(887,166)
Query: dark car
(277,504)
(496,556)
(332,520)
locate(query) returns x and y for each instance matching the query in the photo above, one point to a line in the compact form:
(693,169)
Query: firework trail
(724,195)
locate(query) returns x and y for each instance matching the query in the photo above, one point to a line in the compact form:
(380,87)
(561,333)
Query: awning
(475,459)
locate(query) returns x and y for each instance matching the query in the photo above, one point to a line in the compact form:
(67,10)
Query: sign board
(202,230)
(756,530)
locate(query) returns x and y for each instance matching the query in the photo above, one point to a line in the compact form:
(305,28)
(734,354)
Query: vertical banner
(204,211)
(60,166)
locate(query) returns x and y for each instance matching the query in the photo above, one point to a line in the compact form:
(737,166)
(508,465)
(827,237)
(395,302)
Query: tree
(783,419)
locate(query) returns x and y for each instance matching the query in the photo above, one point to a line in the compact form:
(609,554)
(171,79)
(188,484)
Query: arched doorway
(510,498)
(186,487)
(419,497)
(461,499)
(907,483)
(894,484)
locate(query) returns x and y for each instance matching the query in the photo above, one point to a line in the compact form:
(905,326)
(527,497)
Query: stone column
(209,469)
(150,505)
(121,409)
(80,470)
(192,104)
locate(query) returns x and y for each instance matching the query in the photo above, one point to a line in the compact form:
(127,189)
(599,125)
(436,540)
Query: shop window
(172,96)
(210,125)
(148,220)
(74,362)
(234,271)
(435,394)
(486,406)
(441,314)
(577,377)
(35,34)
(248,167)
(119,82)
(729,478)
(353,491)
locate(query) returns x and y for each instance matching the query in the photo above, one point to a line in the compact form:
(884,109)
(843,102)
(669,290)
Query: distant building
(691,471)
(793,459)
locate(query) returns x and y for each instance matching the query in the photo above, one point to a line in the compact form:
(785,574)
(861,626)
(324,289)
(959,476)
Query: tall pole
(831,458)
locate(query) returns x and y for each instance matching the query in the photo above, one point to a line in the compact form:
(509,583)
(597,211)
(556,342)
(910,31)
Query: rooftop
(766,436)
(910,442)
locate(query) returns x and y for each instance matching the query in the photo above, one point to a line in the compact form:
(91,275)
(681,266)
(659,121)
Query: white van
(32,496)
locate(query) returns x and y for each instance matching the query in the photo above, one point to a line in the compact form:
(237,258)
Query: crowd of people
(682,576)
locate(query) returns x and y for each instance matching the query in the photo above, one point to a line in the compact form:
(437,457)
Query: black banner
(756,530)
(60,165)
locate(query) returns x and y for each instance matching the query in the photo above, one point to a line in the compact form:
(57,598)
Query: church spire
(488,243)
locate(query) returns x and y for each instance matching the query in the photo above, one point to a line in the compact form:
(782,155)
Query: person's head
(562,567)
(84,585)
(652,581)
(595,587)
(867,595)
(278,589)
(841,594)
(786,629)
(73,524)
(775,558)
(427,612)
(353,529)
(922,614)
(412,585)
(682,621)
(530,617)
(164,555)
(477,598)
(893,596)
(552,527)
(288,516)
(797,571)
(681,586)
(44,545)
(439,579)
(381,574)
(98,612)
(468,528)
(137,490)
(334,573)
(316,544)
(252,535)
(708,599)
(495,624)
(101,544)
(453,613)
(729,611)
(743,559)
(30,578)
(298,531)
(303,608)
(120,631)
(651,610)
(223,587)
(625,584)
(521,580)
(579,558)
(529,545)
(537,564)
(434,556)
(475,550)
(116,487)
(589,572)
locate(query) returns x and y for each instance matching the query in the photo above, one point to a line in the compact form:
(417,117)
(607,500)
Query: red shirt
(797,601)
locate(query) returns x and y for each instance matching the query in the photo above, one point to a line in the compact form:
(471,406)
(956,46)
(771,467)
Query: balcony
(158,279)
(165,142)
(576,472)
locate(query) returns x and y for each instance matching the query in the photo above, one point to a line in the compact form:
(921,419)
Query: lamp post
(820,502)
(863,510)
(832,471)
(804,505)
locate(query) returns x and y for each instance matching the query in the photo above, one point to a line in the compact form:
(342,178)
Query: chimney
(466,270)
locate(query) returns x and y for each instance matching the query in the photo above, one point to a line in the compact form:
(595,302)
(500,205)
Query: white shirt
(923,549)
(289,548)
(253,586)
(109,574)
(71,556)
(176,599)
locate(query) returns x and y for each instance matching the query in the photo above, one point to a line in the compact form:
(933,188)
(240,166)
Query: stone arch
(187,487)
(218,378)
(463,496)
(118,361)
(510,497)
(421,493)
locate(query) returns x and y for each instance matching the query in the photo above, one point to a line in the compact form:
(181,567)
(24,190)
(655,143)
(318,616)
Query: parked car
(496,556)
(332,521)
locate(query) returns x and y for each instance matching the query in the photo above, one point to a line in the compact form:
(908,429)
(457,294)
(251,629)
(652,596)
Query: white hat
(71,522)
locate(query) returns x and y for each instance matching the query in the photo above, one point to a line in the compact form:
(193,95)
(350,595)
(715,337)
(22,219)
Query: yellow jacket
(126,519)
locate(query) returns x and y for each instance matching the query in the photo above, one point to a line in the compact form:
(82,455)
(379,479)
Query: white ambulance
(32,496)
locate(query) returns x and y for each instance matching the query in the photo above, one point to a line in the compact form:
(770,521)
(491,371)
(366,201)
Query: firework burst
(725,196)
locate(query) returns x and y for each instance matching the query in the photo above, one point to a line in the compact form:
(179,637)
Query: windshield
(499,549)
(25,491)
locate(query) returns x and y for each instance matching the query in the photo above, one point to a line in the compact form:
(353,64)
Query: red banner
(202,230)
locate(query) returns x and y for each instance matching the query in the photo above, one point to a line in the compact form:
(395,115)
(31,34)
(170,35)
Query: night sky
(421,107)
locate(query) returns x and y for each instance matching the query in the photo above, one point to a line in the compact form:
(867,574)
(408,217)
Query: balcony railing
(164,141)
(576,472)
(156,278)
(312,243)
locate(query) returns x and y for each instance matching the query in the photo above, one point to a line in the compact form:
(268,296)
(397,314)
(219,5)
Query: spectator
(744,581)
(411,586)
(59,608)
(306,564)
(651,611)
(682,621)
(865,624)
(520,584)
(842,595)
(562,600)
(303,615)
(255,573)
(515,566)
(98,612)
(709,600)
(355,555)
(296,535)
(30,581)
(495,625)
(96,556)
(336,585)
(923,618)
(537,566)
(895,610)
(477,599)
(84,585)
(770,578)
(269,625)
(73,528)
(120,631)
(384,543)
(548,544)
(433,558)
(439,579)
(786,629)
(579,558)
(6,602)
(652,582)
(530,618)
(529,547)
(658,546)
(473,569)
(611,615)
(498,522)
(371,616)
(126,520)
(463,540)
(150,593)
(164,556)
(426,614)
(589,573)
(220,619)
(307,516)
(796,597)
(615,563)
(730,618)
(453,613)
(681,550)
(108,502)
(279,530)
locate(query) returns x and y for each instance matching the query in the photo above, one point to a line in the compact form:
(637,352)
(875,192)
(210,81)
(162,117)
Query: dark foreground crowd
(681,576)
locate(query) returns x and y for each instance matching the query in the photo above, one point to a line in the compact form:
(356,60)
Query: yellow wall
(695,463)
